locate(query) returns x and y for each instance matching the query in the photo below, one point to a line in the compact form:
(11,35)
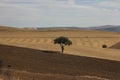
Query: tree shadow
(53,52)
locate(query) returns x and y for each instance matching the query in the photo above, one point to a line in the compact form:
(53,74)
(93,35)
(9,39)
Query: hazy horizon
(59,13)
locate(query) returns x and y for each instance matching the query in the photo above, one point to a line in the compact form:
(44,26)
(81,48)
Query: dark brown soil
(116,46)
(57,63)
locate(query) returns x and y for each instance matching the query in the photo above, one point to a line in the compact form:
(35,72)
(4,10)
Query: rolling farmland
(85,42)
(78,38)
(32,64)
(85,59)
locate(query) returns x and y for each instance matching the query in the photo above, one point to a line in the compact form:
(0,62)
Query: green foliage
(63,41)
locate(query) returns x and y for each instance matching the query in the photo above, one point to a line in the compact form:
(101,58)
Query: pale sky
(59,13)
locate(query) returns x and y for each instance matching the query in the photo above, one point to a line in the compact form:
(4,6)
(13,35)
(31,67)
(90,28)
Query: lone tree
(62,41)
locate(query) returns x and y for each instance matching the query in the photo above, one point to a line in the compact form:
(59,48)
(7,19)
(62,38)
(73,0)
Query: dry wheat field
(86,43)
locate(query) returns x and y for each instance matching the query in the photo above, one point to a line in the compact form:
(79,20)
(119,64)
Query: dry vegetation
(42,57)
(85,42)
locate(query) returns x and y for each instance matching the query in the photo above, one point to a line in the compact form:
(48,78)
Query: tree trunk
(62,48)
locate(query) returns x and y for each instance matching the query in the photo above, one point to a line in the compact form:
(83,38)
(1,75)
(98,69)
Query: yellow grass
(58,66)
(85,43)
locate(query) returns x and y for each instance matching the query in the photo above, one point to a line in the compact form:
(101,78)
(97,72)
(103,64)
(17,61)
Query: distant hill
(6,28)
(106,28)
(102,28)
(13,29)
(59,28)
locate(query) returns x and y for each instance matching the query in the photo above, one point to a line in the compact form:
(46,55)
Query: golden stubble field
(33,56)
(85,42)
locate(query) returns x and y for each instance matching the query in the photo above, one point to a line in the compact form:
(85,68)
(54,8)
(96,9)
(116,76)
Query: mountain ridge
(112,28)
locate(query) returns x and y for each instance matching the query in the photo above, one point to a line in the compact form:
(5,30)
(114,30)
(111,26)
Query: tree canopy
(63,41)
